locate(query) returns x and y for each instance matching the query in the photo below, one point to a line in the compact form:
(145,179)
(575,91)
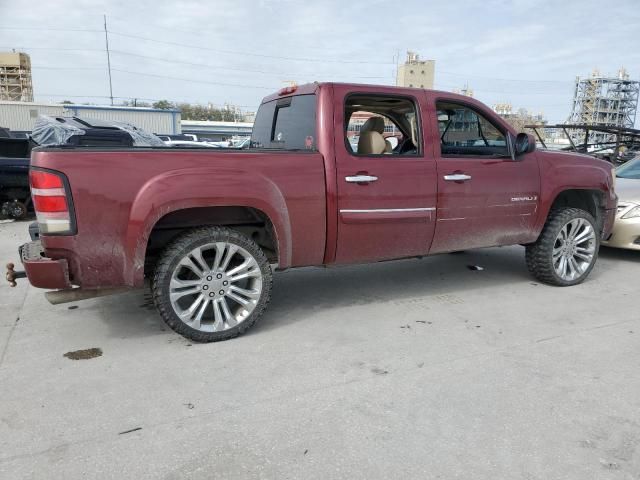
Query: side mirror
(525,143)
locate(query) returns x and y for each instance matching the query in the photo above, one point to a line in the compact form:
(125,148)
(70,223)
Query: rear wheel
(567,249)
(212,284)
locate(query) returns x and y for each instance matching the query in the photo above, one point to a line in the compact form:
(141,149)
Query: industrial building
(21,116)
(415,72)
(15,77)
(605,101)
(518,118)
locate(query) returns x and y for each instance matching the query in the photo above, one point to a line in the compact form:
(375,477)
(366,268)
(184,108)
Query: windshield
(631,169)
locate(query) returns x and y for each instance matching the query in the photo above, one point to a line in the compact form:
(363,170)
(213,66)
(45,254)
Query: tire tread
(162,273)
(538,254)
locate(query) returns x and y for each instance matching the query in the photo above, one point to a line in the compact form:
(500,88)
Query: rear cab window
(286,124)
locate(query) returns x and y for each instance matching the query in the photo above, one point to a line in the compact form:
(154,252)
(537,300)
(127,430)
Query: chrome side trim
(390,210)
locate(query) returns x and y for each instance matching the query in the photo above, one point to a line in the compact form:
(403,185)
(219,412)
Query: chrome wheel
(215,287)
(574,249)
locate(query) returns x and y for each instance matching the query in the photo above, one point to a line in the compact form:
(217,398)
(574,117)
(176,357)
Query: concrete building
(21,116)
(15,77)
(415,72)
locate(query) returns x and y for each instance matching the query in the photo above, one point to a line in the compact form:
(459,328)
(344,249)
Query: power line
(50,29)
(249,54)
(464,75)
(192,80)
(46,67)
(223,67)
(56,49)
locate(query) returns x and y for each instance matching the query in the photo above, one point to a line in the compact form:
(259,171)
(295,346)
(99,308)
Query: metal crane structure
(601,101)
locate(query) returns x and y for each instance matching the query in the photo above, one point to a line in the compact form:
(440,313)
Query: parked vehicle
(190,144)
(206,228)
(15,197)
(626,229)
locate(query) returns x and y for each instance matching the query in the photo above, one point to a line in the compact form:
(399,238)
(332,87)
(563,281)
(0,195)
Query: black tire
(539,254)
(15,209)
(169,261)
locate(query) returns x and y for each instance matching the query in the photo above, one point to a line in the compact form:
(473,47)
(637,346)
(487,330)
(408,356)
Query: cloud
(536,48)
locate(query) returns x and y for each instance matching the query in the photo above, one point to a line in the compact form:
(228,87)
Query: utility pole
(106,40)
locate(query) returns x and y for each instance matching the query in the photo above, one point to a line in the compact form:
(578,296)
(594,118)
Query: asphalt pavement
(415,369)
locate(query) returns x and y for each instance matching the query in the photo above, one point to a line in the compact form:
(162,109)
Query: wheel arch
(591,200)
(251,221)
(218,198)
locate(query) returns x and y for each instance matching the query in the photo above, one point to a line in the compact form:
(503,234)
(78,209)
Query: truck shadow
(299,292)
(296,293)
(619,254)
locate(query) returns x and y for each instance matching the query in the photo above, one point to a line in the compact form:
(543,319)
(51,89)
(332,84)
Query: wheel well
(591,201)
(252,222)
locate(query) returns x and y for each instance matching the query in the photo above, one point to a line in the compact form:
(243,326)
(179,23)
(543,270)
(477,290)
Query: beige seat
(371,141)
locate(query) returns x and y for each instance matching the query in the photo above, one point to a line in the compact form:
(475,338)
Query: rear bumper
(41,271)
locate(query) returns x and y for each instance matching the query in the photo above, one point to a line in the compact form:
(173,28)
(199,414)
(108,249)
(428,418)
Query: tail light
(52,202)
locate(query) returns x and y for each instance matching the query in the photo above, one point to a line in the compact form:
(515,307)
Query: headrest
(373,124)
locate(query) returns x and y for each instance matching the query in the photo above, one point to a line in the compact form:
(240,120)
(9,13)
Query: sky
(527,53)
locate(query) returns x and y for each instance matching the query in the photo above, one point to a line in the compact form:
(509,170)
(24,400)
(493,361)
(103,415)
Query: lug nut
(219,276)
(209,278)
(205,287)
(225,283)
(211,294)
(221,292)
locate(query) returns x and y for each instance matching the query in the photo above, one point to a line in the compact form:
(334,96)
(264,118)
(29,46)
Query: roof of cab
(311,88)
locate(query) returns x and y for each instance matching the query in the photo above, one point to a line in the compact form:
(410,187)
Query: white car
(189,144)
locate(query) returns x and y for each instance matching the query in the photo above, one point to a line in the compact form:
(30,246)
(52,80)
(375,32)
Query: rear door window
(286,124)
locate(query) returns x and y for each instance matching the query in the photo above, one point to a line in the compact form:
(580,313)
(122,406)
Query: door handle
(361,178)
(457,177)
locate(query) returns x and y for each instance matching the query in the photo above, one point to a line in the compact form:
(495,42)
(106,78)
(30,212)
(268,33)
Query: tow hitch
(12,275)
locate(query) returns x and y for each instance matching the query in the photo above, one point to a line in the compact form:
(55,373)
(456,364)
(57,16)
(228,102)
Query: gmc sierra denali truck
(336,174)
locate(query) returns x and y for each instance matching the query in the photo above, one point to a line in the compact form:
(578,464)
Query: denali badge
(533,198)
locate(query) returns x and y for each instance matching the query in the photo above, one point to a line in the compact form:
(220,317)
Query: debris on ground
(190,406)
(84,354)
(379,371)
(72,307)
(406,326)
(609,465)
(475,267)
(129,431)
(421,321)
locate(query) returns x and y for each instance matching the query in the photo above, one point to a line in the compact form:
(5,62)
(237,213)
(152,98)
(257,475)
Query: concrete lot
(411,369)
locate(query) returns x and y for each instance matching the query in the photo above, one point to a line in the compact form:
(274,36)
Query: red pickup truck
(336,174)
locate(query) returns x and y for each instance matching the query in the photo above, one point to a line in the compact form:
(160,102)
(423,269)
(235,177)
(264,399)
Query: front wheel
(212,284)
(567,249)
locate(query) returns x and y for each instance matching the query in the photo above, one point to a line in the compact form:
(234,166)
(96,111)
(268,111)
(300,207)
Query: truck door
(386,178)
(484,197)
